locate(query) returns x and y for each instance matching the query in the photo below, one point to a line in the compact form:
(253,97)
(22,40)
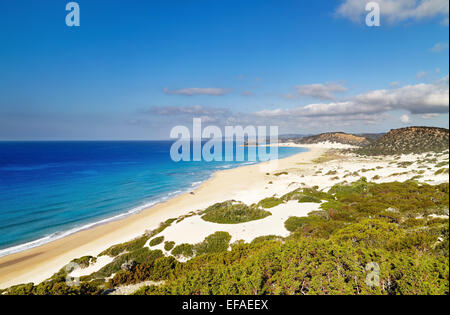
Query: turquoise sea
(51,189)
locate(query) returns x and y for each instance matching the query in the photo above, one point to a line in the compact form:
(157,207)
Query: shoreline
(120,216)
(39,263)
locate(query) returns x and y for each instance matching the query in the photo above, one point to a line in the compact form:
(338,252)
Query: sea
(49,190)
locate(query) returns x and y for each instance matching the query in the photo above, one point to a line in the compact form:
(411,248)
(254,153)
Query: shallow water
(52,189)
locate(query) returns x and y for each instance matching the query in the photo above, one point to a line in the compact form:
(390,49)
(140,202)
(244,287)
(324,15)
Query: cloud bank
(426,100)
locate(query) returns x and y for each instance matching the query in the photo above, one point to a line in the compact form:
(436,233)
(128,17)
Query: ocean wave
(61,234)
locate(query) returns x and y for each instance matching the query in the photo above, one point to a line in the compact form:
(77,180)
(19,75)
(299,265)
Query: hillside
(409,140)
(339,137)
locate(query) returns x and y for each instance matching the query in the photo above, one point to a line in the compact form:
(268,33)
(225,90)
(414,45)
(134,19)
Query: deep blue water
(52,189)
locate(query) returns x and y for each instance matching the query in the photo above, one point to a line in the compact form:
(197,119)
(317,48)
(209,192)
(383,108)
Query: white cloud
(423,100)
(197,91)
(396,10)
(320,91)
(439,47)
(417,99)
(405,119)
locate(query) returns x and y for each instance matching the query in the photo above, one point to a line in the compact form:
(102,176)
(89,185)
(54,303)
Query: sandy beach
(247,184)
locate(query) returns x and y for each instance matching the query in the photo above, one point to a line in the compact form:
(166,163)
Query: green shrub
(441,171)
(214,243)
(169,245)
(159,269)
(266,238)
(141,255)
(312,266)
(156,241)
(232,212)
(85,261)
(269,203)
(186,250)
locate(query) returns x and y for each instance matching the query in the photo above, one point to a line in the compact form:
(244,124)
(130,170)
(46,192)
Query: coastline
(39,263)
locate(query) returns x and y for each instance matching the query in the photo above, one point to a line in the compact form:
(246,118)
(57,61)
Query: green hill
(409,140)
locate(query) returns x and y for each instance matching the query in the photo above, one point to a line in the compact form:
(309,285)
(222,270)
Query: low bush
(232,212)
(270,202)
(169,245)
(186,250)
(156,241)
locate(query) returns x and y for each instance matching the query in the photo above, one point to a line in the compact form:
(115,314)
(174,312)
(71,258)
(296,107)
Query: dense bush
(311,266)
(156,241)
(214,243)
(389,224)
(186,250)
(85,261)
(233,212)
(269,202)
(160,269)
(141,255)
(169,245)
(328,251)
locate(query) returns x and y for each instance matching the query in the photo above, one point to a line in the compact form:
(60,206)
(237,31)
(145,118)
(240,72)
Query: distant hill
(409,140)
(371,136)
(339,137)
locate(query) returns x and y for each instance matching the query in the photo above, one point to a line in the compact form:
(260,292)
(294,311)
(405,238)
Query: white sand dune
(194,229)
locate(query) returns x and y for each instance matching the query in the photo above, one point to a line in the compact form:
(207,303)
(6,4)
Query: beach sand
(248,184)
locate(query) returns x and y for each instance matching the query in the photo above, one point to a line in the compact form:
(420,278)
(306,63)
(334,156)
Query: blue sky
(134,69)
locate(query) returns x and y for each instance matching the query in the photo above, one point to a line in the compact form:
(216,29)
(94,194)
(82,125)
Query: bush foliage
(233,212)
(391,224)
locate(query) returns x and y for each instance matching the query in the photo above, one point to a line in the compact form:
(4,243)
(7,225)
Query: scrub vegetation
(233,212)
(398,226)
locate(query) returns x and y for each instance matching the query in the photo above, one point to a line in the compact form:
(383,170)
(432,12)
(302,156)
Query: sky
(135,69)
